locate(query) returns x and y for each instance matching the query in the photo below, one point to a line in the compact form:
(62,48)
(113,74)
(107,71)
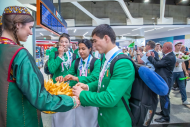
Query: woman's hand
(76,101)
(61,51)
(60,79)
(71,77)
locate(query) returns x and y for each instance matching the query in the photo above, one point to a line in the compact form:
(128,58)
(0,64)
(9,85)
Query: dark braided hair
(10,23)
(14,28)
(1,30)
(88,44)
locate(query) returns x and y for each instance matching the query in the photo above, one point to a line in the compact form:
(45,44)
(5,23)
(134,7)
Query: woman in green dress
(22,92)
(81,71)
(61,58)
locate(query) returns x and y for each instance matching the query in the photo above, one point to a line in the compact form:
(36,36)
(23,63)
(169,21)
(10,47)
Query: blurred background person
(157,49)
(178,73)
(164,68)
(150,45)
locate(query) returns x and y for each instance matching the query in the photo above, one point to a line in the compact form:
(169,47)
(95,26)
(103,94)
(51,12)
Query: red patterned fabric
(4,40)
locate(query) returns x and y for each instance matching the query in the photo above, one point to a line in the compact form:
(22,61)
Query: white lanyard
(83,70)
(68,62)
(102,73)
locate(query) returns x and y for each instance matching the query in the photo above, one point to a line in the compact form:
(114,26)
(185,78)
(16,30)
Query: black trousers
(165,99)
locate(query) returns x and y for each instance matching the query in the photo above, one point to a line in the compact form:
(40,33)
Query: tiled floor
(179,112)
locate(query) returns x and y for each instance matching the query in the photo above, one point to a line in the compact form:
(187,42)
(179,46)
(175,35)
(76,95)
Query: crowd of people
(162,59)
(97,91)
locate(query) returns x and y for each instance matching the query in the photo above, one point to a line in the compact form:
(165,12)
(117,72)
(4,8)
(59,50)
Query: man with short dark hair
(164,68)
(144,60)
(74,46)
(178,73)
(157,49)
(111,88)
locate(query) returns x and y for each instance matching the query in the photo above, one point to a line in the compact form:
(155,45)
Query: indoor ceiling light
(146,1)
(85,33)
(184,0)
(137,29)
(149,30)
(41,34)
(175,28)
(158,28)
(125,34)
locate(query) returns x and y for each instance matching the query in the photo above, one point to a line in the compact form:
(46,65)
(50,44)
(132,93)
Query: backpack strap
(56,54)
(92,64)
(76,64)
(74,57)
(118,57)
(129,111)
(122,56)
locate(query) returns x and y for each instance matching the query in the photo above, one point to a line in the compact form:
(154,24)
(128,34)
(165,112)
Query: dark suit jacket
(156,54)
(165,66)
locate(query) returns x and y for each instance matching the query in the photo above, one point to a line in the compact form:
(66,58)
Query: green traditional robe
(22,94)
(112,112)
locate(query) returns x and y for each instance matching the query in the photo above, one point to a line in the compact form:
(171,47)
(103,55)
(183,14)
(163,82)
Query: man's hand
(60,79)
(77,90)
(187,74)
(152,54)
(148,54)
(188,71)
(83,86)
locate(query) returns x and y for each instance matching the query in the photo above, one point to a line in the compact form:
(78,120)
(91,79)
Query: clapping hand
(152,54)
(148,54)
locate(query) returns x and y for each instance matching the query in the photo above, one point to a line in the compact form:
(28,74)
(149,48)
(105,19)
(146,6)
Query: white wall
(3,4)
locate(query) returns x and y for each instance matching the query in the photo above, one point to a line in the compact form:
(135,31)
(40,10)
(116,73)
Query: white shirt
(160,54)
(179,67)
(97,54)
(135,55)
(108,56)
(146,61)
(167,53)
(84,67)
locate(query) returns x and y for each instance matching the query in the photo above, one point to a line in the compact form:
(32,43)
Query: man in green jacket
(106,93)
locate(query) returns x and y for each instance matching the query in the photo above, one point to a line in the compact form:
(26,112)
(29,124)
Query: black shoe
(159,113)
(162,119)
